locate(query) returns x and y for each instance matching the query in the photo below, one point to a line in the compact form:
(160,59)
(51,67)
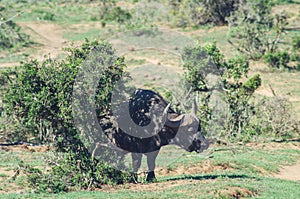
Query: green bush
(295,56)
(275,118)
(277,59)
(110,12)
(145,16)
(296,43)
(71,172)
(44,15)
(199,63)
(243,116)
(10,33)
(253,30)
(195,13)
(39,95)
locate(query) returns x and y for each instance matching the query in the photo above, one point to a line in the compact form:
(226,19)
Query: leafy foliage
(144,16)
(72,173)
(110,12)
(10,33)
(195,13)
(202,62)
(275,118)
(296,43)
(253,30)
(277,59)
(39,94)
(284,59)
(296,51)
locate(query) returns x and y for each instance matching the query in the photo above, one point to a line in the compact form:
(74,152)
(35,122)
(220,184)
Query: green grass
(248,174)
(285,1)
(252,161)
(3,175)
(285,84)
(196,186)
(248,168)
(13,58)
(90,34)
(12,159)
(62,13)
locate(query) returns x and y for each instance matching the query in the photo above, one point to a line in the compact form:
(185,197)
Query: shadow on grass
(287,140)
(209,177)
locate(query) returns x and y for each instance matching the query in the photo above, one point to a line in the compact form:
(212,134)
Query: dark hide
(139,105)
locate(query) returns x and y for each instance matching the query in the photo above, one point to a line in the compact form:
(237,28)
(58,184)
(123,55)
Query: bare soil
(205,167)
(150,186)
(49,35)
(289,172)
(235,192)
(25,148)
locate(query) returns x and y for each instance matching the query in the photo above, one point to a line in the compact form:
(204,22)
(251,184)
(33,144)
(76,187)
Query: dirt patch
(235,192)
(49,35)
(158,186)
(292,144)
(5,172)
(289,172)
(203,167)
(25,148)
(7,184)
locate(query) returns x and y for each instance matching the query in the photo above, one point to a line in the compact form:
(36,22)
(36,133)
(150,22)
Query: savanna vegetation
(240,59)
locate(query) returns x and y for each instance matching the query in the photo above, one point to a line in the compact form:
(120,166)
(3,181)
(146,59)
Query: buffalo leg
(151,165)
(136,163)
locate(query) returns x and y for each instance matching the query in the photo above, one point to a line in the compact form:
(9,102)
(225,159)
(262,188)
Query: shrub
(238,115)
(277,59)
(195,13)
(10,33)
(253,30)
(39,95)
(295,56)
(296,43)
(71,172)
(44,15)
(202,62)
(275,118)
(110,12)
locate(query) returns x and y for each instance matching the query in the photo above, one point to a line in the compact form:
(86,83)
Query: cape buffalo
(148,110)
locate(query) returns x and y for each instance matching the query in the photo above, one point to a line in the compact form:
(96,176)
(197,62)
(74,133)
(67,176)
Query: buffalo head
(189,136)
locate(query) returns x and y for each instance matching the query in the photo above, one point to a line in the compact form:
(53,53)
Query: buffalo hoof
(151,177)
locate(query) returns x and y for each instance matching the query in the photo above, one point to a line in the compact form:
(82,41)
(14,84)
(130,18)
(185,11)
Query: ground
(223,173)
(251,171)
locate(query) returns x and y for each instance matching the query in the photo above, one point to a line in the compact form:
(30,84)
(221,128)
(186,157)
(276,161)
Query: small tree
(10,33)
(253,30)
(110,12)
(39,94)
(195,13)
(200,63)
(275,118)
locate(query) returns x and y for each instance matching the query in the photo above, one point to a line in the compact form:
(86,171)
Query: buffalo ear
(194,107)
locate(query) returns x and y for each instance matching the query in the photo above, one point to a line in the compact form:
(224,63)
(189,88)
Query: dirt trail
(49,35)
(290,172)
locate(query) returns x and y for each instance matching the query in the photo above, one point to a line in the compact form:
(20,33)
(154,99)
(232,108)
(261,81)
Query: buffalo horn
(168,122)
(165,113)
